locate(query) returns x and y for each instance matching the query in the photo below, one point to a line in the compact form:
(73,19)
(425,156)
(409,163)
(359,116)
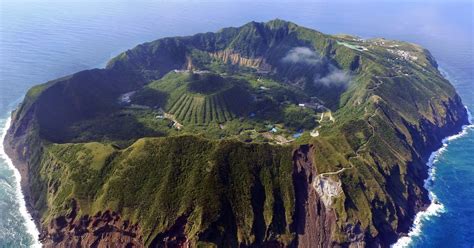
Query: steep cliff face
(314,221)
(100,230)
(228,56)
(100,169)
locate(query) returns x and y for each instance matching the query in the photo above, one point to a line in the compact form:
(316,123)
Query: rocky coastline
(22,167)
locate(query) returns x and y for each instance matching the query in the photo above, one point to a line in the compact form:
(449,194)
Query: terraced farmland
(204,109)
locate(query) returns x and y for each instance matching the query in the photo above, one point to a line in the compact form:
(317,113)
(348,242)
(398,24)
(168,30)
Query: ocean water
(42,40)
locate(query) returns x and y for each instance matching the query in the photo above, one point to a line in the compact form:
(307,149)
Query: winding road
(357,153)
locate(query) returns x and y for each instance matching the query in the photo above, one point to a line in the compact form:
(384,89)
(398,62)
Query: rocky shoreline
(439,134)
(456,130)
(22,167)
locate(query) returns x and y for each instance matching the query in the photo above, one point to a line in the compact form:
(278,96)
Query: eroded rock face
(174,237)
(327,188)
(229,56)
(314,222)
(105,229)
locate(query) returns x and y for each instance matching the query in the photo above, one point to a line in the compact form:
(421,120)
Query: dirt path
(329,114)
(331,118)
(357,153)
(322,117)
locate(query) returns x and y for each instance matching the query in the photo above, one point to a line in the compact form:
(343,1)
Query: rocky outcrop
(101,230)
(327,188)
(313,221)
(174,237)
(229,56)
(443,125)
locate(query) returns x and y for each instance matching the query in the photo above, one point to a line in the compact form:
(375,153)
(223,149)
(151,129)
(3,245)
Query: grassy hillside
(156,180)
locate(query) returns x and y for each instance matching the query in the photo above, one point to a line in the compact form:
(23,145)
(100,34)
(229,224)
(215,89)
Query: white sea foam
(436,207)
(29,224)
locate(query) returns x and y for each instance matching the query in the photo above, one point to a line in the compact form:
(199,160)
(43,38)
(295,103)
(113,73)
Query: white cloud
(335,77)
(302,55)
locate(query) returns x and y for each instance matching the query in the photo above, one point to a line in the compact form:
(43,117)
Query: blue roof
(297,135)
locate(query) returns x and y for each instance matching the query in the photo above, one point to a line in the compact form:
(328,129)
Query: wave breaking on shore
(436,207)
(29,223)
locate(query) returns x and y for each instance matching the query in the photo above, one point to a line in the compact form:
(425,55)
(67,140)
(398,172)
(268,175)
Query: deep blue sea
(42,40)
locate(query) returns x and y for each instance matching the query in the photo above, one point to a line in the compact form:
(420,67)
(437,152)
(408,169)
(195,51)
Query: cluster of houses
(312,105)
(403,54)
